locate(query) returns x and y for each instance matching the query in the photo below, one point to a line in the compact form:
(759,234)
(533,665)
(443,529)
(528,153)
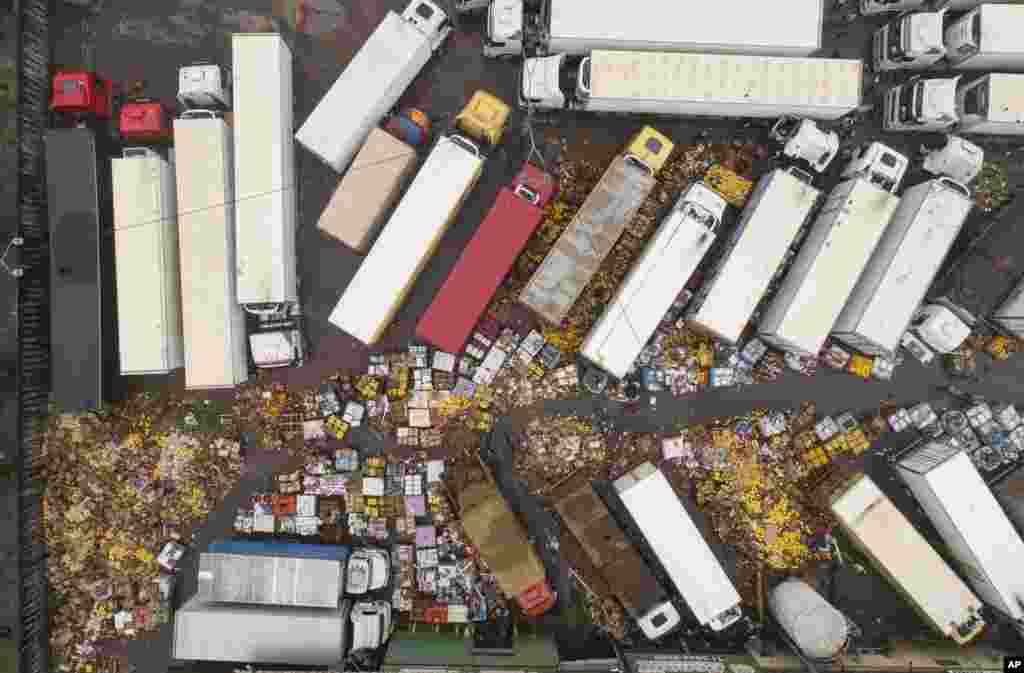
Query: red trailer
(80,93)
(144,121)
(486,260)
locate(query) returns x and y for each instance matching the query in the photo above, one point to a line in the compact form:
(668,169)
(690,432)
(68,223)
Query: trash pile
(399,504)
(123,494)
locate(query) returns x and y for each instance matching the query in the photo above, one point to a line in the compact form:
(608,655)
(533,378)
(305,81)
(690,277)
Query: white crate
(373,486)
(882,369)
(772,424)
(922,415)
(305,505)
(978,414)
(900,421)
(753,352)
(419,418)
(354,413)
(444,362)
(826,429)
(423,379)
(847,422)
(1007,417)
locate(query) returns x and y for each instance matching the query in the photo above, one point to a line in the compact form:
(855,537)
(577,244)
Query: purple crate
(426,536)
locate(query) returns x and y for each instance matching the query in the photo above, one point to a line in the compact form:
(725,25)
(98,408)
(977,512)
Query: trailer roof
(828,82)
(1001,28)
(903,554)
(894,283)
(1006,98)
(726,22)
(769,223)
(979,520)
(828,265)
(407,241)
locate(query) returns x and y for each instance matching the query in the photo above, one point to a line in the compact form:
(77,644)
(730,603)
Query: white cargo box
(973,525)
(656,279)
(722,85)
(923,228)
(775,213)
(203,86)
(901,553)
(732,26)
(825,271)
(372,82)
(408,240)
(264,168)
(214,358)
(146,263)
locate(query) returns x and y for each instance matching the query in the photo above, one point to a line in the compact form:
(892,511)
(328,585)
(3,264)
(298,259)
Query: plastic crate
(826,429)
(861,365)
(978,415)
(922,415)
(1007,417)
(900,420)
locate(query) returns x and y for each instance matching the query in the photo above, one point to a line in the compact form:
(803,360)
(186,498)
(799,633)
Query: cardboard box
(368,191)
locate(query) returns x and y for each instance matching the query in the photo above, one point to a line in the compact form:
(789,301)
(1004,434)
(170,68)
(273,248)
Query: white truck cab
(953,157)
(880,164)
(922,105)
(504,36)
(371,624)
(940,328)
(368,570)
(913,41)
(204,85)
(554,82)
(804,140)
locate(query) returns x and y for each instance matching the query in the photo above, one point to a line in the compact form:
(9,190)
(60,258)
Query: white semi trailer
(373,82)
(923,228)
(684,84)
(725,27)
(973,525)
(146,268)
(823,275)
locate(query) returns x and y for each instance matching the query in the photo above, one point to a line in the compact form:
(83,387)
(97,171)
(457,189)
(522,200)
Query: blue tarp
(327,552)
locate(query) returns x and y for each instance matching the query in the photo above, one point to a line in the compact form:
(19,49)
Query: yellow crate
(1000,347)
(836,445)
(732,187)
(484,118)
(857,441)
(336,427)
(861,365)
(650,148)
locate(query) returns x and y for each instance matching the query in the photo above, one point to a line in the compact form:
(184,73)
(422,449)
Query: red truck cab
(144,121)
(486,260)
(82,93)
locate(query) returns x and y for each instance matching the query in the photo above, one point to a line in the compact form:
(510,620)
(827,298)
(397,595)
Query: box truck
(837,249)
(373,82)
(264,169)
(680,548)
(775,215)
(881,532)
(577,26)
(656,279)
(83,333)
(214,358)
(992,104)
(411,235)
(149,332)
(597,225)
(614,556)
(684,84)
(498,535)
(974,527)
(922,230)
(368,191)
(486,260)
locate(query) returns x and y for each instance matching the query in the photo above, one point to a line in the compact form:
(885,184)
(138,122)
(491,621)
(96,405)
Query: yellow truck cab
(650,148)
(484,118)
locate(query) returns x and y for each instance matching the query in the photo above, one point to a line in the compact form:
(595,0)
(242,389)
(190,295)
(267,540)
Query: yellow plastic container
(484,118)
(731,186)
(650,148)
(861,365)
